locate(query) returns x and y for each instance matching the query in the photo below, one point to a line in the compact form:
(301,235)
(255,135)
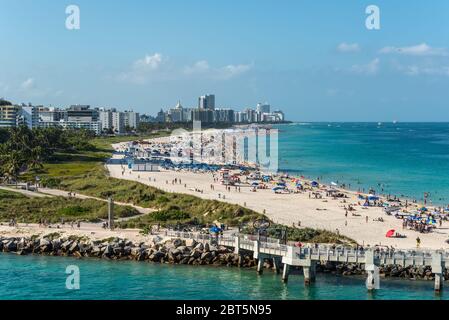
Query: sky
(315,60)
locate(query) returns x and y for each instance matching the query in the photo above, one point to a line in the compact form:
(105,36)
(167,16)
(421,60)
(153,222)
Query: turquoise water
(406,159)
(40,277)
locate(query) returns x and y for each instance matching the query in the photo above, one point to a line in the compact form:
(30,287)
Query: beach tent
(334,184)
(314,184)
(373,198)
(278,188)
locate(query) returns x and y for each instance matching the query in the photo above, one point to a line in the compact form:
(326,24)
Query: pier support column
(371,268)
(276,263)
(237,245)
(309,273)
(438,282)
(260,265)
(285,272)
(438,269)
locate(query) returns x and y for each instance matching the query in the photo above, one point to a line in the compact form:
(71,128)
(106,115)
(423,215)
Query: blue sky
(315,60)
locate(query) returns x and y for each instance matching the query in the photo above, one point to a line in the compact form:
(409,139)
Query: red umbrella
(390,233)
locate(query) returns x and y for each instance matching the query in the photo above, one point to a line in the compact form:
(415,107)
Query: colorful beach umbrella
(390,233)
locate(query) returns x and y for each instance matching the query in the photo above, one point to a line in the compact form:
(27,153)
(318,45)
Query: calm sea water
(405,158)
(39,277)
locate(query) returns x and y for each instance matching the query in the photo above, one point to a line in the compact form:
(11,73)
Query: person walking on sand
(366,219)
(418,242)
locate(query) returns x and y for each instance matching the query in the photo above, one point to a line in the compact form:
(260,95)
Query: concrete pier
(307,257)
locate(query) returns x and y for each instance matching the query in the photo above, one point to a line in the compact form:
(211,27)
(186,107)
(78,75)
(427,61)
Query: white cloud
(27,84)
(144,69)
(149,62)
(348,47)
(231,70)
(415,70)
(154,68)
(203,68)
(198,67)
(370,68)
(417,50)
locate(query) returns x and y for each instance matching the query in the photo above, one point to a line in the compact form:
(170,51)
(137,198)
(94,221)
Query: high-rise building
(203,115)
(8,114)
(160,116)
(224,115)
(105,117)
(46,114)
(263,108)
(29,116)
(207,102)
(118,122)
(81,113)
(131,119)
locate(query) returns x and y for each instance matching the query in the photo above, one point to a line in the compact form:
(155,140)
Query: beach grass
(84,173)
(52,209)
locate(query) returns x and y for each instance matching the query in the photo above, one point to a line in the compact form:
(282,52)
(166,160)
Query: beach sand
(326,213)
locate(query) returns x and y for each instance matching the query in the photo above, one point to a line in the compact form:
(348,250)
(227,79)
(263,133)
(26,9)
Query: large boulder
(191,243)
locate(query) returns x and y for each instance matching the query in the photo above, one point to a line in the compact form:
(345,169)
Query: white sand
(291,208)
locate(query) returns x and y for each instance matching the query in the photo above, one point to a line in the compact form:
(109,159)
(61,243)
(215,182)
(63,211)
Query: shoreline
(174,251)
(326,213)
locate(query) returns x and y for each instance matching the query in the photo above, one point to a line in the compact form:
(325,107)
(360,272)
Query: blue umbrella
(215,229)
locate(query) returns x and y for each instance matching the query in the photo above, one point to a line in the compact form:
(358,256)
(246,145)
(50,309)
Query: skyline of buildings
(103,120)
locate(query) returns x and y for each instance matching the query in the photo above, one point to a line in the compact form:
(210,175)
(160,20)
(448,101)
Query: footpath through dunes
(61,193)
(289,209)
(49,200)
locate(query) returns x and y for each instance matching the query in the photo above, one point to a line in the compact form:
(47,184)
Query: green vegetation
(74,161)
(53,209)
(307,235)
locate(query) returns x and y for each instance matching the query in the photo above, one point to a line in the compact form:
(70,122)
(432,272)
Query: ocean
(403,159)
(44,277)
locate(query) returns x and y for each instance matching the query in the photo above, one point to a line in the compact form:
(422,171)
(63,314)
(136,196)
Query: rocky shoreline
(177,251)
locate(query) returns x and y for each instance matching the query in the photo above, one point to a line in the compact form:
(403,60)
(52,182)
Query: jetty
(307,257)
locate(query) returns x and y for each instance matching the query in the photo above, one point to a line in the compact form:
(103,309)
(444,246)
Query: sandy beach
(288,209)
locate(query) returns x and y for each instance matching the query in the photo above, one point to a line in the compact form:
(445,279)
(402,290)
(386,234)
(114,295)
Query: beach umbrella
(314,184)
(277,188)
(390,233)
(215,229)
(373,198)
